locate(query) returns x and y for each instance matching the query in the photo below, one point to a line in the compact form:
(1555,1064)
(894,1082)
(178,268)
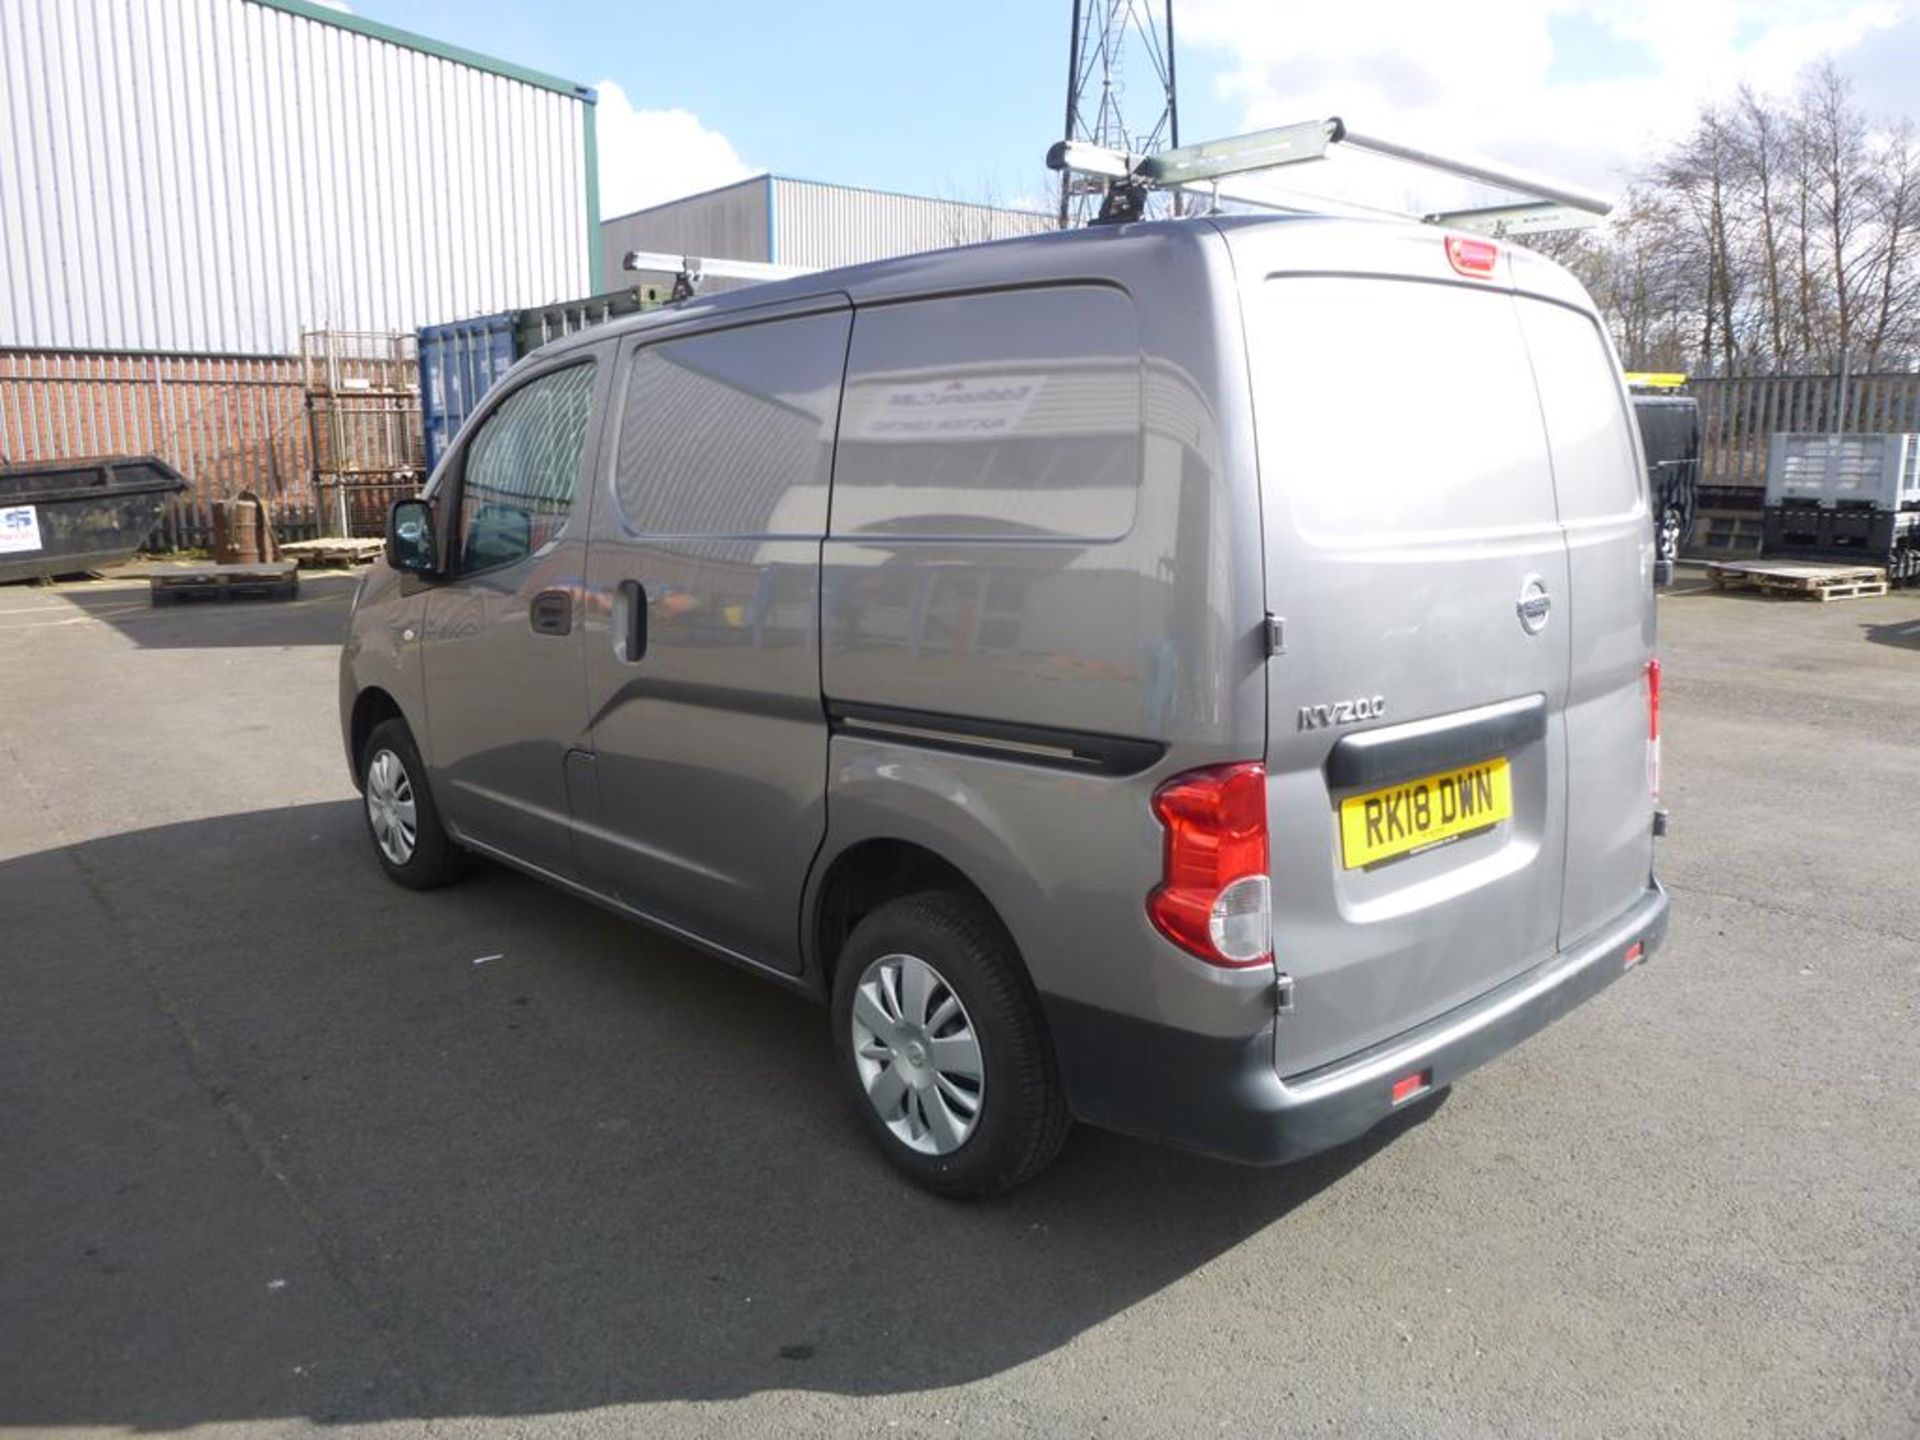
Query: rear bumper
(1224,1097)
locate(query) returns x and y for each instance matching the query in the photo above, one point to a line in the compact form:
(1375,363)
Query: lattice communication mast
(1120,91)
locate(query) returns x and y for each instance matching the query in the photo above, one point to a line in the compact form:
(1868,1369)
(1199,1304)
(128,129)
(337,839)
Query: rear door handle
(552,613)
(630,621)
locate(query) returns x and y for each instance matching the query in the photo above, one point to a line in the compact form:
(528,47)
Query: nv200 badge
(1342,712)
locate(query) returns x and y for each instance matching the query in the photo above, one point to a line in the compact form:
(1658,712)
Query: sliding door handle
(552,613)
(630,622)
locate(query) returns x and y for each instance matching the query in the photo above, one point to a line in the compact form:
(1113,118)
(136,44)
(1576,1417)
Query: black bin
(65,516)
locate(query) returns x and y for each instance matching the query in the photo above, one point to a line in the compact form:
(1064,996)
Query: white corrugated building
(216,176)
(778,220)
(187,186)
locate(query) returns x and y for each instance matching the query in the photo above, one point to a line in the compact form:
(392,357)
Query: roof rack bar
(1260,150)
(1504,177)
(1536,218)
(663,263)
(1546,204)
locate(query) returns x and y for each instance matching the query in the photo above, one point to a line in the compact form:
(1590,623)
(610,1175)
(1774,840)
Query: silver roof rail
(689,271)
(1542,203)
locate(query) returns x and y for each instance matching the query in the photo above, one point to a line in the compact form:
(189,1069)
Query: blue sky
(942,98)
(961,100)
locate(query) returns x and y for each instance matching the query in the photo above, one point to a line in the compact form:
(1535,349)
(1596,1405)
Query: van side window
(1013,415)
(517,485)
(1587,420)
(731,432)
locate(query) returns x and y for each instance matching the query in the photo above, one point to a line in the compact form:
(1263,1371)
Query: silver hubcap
(390,808)
(917,1053)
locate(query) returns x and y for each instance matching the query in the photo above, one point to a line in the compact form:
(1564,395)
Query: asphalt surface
(281,1149)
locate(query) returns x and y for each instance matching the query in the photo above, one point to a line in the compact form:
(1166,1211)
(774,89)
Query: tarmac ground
(285,1149)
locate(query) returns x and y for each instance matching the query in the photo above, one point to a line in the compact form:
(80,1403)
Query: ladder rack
(1541,203)
(690,272)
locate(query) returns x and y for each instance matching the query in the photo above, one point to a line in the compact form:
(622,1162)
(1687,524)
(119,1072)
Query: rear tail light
(1653,726)
(1214,899)
(1471,256)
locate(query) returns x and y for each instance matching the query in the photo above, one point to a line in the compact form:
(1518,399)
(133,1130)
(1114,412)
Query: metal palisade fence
(1739,414)
(227,423)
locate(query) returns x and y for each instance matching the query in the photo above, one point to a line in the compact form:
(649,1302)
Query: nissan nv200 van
(1194,677)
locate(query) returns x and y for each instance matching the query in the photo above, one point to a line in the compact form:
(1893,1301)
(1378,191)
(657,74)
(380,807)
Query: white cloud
(1484,78)
(647,156)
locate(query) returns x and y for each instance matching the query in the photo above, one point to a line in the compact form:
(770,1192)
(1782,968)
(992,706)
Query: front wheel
(942,1046)
(408,839)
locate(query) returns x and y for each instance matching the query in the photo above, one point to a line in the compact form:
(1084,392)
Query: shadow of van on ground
(1903,634)
(505,1154)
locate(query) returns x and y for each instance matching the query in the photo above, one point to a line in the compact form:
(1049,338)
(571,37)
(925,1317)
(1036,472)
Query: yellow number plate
(1403,818)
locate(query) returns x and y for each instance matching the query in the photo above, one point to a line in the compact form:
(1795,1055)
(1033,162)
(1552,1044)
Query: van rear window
(1395,410)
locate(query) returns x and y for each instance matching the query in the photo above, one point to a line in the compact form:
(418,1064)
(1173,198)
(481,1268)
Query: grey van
(1193,677)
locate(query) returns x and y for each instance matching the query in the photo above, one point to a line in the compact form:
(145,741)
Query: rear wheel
(943,1049)
(408,839)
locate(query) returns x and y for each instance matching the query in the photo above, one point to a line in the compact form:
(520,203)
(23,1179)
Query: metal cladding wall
(725,224)
(216,176)
(825,225)
(802,222)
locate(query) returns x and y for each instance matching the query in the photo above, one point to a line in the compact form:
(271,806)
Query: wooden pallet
(333,551)
(276,580)
(1803,582)
(1726,532)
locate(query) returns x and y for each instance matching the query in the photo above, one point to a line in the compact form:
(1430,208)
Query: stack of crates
(363,406)
(1846,497)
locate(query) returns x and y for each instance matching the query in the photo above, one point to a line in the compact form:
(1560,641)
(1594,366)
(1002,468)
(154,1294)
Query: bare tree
(1783,232)
(1837,138)
(1760,133)
(1700,176)
(1894,265)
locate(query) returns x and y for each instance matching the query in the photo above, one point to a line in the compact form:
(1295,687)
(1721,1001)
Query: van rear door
(1416,750)
(1601,485)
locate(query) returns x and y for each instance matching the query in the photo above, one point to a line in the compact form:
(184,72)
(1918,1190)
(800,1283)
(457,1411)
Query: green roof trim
(591,146)
(393,35)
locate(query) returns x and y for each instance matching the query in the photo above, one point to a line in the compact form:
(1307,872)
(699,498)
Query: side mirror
(410,546)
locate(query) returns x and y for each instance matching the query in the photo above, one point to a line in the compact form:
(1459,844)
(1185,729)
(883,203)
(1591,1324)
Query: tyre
(942,1047)
(402,821)
(1672,532)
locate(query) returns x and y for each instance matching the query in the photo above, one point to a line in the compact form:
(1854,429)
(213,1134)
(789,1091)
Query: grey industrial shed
(784,221)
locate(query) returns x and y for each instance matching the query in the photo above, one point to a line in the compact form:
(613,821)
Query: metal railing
(1740,414)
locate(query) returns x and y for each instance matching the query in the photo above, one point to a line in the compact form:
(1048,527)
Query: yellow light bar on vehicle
(1655,379)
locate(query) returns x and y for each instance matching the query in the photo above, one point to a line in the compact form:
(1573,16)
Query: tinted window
(731,433)
(1580,394)
(521,470)
(1391,409)
(1013,414)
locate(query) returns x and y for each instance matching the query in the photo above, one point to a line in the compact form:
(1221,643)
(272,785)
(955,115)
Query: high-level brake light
(1214,899)
(1471,256)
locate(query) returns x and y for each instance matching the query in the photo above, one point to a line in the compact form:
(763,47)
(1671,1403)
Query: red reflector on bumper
(1636,952)
(1409,1086)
